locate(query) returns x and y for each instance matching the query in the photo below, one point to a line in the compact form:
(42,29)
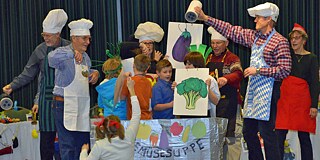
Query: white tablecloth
(28,147)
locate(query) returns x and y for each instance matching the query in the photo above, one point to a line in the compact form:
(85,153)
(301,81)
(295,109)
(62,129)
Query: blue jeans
(70,142)
(267,131)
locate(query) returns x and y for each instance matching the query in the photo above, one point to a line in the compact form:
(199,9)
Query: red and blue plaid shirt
(276,53)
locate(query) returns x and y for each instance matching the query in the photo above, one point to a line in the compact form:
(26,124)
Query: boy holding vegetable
(162,92)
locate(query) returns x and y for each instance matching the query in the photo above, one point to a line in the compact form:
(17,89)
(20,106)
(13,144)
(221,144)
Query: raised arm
(133,127)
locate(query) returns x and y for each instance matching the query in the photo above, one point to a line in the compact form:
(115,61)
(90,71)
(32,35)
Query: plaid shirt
(276,53)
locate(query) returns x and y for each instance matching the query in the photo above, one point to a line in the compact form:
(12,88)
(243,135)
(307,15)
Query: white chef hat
(55,21)
(80,27)
(216,35)
(266,9)
(149,31)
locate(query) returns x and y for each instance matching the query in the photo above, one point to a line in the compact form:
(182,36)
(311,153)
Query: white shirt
(118,149)
(215,89)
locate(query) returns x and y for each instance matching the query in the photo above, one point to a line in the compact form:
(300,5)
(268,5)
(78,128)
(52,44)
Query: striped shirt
(276,53)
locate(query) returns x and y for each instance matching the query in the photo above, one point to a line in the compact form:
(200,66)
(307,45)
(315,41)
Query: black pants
(305,143)
(47,145)
(267,131)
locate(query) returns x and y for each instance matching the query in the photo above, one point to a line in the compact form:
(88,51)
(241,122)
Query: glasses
(295,37)
(148,43)
(46,35)
(85,38)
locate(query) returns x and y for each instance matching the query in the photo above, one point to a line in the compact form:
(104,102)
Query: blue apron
(259,91)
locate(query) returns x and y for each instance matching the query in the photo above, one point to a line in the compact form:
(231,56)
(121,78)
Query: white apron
(257,103)
(77,102)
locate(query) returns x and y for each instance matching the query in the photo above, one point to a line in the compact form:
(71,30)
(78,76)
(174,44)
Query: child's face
(188,65)
(165,73)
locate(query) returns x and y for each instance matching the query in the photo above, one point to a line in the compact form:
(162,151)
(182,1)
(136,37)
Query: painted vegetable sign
(192,89)
(199,129)
(176,129)
(154,139)
(144,131)
(164,141)
(180,48)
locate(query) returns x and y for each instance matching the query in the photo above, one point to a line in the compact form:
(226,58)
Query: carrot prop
(180,48)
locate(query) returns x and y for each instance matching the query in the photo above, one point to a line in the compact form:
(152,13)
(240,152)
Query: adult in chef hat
(148,33)
(73,123)
(52,26)
(270,62)
(80,30)
(230,74)
(267,9)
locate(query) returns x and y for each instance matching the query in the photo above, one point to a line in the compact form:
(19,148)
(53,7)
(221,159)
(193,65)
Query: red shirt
(232,62)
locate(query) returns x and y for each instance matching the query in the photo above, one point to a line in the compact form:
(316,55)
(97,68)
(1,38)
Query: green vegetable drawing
(199,129)
(192,89)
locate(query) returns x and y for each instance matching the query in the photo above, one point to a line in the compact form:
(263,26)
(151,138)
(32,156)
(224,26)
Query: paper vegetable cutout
(185,135)
(154,139)
(181,46)
(144,131)
(164,141)
(192,89)
(176,129)
(199,129)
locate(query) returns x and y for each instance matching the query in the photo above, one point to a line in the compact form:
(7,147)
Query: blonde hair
(112,67)
(110,130)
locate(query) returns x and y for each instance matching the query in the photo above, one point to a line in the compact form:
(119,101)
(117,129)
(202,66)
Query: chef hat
(80,27)
(266,9)
(149,31)
(298,27)
(55,21)
(216,35)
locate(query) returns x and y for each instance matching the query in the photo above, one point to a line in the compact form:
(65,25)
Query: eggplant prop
(180,48)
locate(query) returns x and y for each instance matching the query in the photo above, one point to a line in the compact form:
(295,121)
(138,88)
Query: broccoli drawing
(192,89)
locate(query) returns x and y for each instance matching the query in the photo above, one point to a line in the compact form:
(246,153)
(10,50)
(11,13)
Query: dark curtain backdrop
(235,12)
(21,25)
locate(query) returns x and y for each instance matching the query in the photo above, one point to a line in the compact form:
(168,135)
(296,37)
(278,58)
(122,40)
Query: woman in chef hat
(148,33)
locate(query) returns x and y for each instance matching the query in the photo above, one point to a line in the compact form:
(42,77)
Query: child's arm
(133,127)
(94,154)
(118,88)
(160,107)
(214,93)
